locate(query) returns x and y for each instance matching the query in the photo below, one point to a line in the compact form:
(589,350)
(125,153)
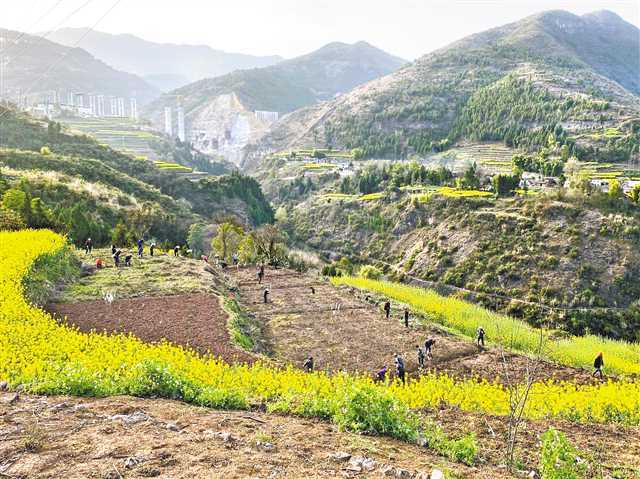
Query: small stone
(266,446)
(12,399)
(172,426)
(437,474)
(340,456)
(388,471)
(368,464)
(60,406)
(133,418)
(222,435)
(532,475)
(422,475)
(403,474)
(359,463)
(130,462)
(4,386)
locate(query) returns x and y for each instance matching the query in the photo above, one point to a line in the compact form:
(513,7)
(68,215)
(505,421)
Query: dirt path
(345,329)
(194,320)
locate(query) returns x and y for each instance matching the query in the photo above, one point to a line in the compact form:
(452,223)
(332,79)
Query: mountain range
(34,66)
(513,83)
(220,111)
(164,65)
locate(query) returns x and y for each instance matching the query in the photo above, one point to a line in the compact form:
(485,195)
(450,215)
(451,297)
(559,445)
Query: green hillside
(549,73)
(86,188)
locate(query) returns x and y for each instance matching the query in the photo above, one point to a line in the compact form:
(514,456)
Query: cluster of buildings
(84,105)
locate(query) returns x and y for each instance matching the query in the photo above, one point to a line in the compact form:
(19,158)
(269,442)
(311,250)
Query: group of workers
(116,253)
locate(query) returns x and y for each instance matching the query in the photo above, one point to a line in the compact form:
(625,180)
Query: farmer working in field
(176,250)
(308,364)
(406,317)
(481,335)
(152,248)
(313,290)
(400,371)
(381,374)
(266,295)
(88,245)
(127,259)
(387,309)
(428,344)
(113,249)
(116,257)
(420,357)
(140,247)
(598,364)
(260,273)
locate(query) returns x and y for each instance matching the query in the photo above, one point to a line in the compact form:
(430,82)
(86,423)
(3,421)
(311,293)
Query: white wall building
(267,116)
(168,121)
(181,131)
(133,109)
(100,105)
(113,104)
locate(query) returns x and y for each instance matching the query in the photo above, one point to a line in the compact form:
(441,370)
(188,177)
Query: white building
(70,98)
(113,103)
(92,105)
(100,105)
(121,112)
(181,132)
(133,109)
(79,99)
(267,116)
(168,121)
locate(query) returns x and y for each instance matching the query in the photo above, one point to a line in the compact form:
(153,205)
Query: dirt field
(194,320)
(343,329)
(126,437)
(121,437)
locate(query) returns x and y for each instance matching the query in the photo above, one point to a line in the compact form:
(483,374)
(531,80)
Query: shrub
(559,458)
(370,272)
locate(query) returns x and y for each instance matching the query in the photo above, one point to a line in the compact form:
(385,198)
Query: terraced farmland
(119,133)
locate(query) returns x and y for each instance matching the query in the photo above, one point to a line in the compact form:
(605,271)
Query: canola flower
(51,358)
(579,351)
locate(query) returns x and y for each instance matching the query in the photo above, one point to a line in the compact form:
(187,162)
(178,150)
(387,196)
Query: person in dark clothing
(420,357)
(387,309)
(127,260)
(406,317)
(88,246)
(116,257)
(428,344)
(381,374)
(140,247)
(400,371)
(113,249)
(152,248)
(260,274)
(308,364)
(598,364)
(266,295)
(234,259)
(481,335)
(313,290)
(176,250)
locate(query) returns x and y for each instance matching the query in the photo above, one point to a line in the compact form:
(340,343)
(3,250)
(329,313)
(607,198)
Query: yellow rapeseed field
(47,357)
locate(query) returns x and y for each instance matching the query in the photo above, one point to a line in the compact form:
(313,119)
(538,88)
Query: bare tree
(518,382)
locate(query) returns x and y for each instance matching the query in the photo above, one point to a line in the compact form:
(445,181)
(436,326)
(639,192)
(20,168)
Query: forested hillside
(34,66)
(549,73)
(86,188)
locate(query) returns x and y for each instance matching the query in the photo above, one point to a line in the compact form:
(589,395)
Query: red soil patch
(194,320)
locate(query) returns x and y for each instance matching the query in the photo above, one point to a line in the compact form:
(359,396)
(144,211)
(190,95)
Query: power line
(32,25)
(44,37)
(64,56)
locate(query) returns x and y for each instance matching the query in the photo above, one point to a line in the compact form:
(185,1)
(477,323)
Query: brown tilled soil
(194,320)
(122,437)
(345,329)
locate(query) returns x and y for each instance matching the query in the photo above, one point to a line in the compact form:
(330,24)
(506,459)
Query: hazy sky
(407,28)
